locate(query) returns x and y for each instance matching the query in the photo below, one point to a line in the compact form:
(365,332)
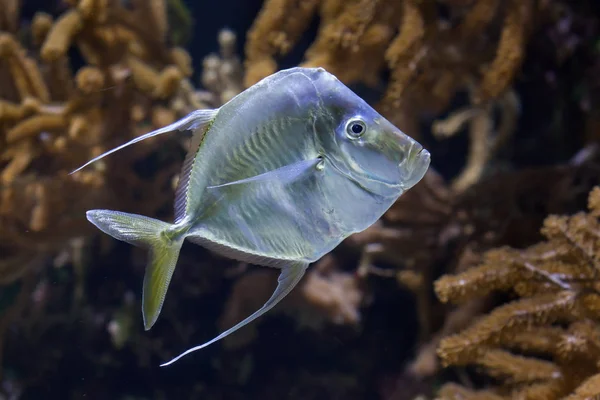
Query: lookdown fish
(278,176)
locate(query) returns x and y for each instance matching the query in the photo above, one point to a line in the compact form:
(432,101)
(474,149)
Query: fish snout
(414,166)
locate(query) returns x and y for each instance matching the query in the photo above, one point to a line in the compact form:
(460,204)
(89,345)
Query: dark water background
(284,362)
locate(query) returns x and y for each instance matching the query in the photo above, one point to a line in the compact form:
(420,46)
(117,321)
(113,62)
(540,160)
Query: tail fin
(144,232)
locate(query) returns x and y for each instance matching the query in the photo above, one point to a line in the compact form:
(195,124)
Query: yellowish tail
(144,232)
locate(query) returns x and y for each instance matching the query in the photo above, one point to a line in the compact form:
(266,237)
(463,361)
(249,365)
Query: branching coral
(56,114)
(53,119)
(545,343)
(432,228)
(222,73)
(485,139)
(358,39)
(431,52)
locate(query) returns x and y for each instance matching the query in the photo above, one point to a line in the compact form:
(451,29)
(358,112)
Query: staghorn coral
(544,344)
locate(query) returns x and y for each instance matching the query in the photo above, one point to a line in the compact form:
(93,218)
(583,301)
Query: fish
(278,176)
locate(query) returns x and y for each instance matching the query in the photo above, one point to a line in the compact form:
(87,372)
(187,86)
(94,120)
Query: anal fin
(288,279)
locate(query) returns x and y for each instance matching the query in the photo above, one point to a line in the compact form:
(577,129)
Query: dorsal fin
(190,122)
(186,170)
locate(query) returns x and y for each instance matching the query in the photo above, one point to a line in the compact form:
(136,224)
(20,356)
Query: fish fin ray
(201,128)
(285,174)
(288,279)
(191,121)
(144,232)
(163,259)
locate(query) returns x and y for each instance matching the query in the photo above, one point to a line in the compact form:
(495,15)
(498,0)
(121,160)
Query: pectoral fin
(191,121)
(286,174)
(288,279)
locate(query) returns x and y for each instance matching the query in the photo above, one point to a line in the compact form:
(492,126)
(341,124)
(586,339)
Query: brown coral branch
(61,35)
(589,389)
(495,273)
(36,125)
(510,51)
(25,73)
(274,31)
(557,280)
(451,391)
(412,31)
(463,348)
(502,364)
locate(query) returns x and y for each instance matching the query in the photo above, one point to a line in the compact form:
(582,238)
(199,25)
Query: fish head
(366,147)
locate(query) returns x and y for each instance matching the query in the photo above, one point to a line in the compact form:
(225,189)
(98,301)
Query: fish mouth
(415,165)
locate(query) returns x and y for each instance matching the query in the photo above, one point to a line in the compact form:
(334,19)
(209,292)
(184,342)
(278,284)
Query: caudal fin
(144,232)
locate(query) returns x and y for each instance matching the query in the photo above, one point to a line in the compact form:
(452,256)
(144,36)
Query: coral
(275,30)
(428,225)
(407,37)
(485,139)
(9,16)
(544,344)
(55,115)
(503,93)
(54,119)
(222,73)
(431,54)
(422,56)
(433,228)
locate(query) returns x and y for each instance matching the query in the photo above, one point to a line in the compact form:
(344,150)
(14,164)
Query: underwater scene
(299,199)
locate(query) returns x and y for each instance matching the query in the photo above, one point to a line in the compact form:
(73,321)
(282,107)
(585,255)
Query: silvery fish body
(278,176)
(282,121)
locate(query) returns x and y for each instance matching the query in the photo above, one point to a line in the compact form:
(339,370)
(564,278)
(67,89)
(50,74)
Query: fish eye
(355,128)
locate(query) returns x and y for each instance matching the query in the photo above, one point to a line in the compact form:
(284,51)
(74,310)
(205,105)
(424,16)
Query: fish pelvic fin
(192,121)
(149,233)
(288,278)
